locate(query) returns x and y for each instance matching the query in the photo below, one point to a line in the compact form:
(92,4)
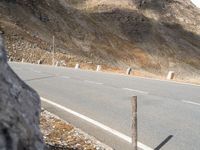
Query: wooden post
(134,122)
(53,51)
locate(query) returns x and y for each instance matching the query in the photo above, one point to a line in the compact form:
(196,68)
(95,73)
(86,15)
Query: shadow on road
(164,142)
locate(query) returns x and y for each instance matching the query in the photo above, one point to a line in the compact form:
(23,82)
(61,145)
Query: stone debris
(60,135)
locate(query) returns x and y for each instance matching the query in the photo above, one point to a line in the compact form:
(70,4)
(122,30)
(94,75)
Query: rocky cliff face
(19,111)
(151,35)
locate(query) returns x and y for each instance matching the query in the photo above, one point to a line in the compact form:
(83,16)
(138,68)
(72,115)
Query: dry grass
(60,135)
(112,33)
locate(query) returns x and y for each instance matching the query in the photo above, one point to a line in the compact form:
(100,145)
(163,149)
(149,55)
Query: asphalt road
(168,112)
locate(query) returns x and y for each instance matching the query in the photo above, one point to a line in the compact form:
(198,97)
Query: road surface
(168,112)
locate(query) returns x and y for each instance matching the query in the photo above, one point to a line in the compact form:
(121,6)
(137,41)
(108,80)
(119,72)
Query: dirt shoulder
(60,135)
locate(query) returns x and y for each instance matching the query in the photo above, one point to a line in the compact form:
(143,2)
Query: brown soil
(60,135)
(152,37)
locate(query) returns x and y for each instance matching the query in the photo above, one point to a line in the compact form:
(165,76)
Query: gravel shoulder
(60,135)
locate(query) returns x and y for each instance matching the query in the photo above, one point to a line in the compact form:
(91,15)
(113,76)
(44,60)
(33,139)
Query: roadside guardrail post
(57,63)
(10,59)
(77,66)
(170,75)
(39,62)
(23,60)
(128,71)
(98,68)
(134,122)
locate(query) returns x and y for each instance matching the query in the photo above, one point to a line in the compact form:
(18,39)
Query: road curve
(168,112)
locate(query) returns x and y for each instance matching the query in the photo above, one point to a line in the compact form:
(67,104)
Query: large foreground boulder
(19,111)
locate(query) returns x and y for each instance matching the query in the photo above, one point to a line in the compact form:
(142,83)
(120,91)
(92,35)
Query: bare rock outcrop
(19,111)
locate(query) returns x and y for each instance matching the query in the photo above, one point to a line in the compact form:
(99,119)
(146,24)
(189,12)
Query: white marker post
(128,71)
(39,62)
(62,63)
(170,75)
(57,63)
(10,59)
(77,66)
(23,60)
(98,68)
(134,122)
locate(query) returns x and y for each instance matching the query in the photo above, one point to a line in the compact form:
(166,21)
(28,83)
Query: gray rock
(19,111)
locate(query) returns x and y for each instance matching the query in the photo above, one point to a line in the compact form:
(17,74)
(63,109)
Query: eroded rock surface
(19,111)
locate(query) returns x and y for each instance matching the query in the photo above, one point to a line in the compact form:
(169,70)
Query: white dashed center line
(36,71)
(65,77)
(138,91)
(190,102)
(92,82)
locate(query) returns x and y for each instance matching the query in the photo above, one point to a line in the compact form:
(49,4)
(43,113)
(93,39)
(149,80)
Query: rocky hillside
(151,35)
(19,111)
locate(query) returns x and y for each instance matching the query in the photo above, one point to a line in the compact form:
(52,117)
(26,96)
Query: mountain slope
(151,35)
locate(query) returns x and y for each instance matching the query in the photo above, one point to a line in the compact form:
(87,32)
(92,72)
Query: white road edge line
(93,82)
(36,71)
(190,102)
(139,91)
(98,124)
(65,77)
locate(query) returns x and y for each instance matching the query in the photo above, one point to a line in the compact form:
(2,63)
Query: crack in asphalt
(41,78)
